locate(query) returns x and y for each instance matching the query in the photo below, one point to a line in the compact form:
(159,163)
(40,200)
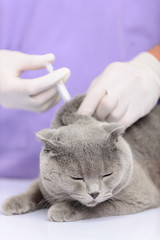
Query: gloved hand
(124,92)
(38,94)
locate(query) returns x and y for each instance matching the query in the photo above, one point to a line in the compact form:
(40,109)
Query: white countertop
(36,226)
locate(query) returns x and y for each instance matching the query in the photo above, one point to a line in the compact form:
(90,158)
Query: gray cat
(88,169)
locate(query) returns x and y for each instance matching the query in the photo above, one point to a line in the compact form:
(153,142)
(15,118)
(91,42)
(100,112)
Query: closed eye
(78,179)
(51,152)
(107,175)
(47,150)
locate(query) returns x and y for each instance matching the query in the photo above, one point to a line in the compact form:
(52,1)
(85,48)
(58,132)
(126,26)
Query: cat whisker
(107,196)
(115,202)
(118,198)
(78,196)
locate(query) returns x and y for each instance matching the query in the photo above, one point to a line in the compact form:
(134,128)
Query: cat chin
(92,204)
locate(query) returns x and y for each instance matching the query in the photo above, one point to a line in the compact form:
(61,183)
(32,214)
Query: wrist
(155,51)
(149,63)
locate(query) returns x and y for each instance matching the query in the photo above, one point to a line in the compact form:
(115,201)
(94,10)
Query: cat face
(86,161)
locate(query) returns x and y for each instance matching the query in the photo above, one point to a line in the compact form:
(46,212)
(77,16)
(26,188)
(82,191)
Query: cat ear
(47,136)
(114,130)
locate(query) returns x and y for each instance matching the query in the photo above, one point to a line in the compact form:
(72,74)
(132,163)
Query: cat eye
(47,150)
(107,175)
(78,179)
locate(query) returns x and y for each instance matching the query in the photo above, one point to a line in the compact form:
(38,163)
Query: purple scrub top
(85,36)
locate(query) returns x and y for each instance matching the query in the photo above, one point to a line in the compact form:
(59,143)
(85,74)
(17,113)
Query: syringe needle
(60,86)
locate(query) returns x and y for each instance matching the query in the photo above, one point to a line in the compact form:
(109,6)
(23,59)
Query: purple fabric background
(85,36)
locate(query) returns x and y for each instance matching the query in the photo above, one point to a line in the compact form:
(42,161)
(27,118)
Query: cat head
(88,161)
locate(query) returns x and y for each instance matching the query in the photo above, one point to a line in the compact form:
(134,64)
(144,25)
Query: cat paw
(18,205)
(63,212)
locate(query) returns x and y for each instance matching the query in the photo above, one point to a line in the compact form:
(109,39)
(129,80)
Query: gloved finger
(43,97)
(106,106)
(117,113)
(47,105)
(129,117)
(134,109)
(91,101)
(129,96)
(122,106)
(50,104)
(93,84)
(37,85)
(31,62)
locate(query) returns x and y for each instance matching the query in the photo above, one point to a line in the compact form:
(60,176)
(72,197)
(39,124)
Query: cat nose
(94,194)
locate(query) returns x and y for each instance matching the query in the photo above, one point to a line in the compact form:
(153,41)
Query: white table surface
(36,226)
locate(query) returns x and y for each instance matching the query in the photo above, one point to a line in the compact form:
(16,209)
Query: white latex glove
(124,92)
(38,94)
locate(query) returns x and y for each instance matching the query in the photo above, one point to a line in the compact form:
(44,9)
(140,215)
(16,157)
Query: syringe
(60,86)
